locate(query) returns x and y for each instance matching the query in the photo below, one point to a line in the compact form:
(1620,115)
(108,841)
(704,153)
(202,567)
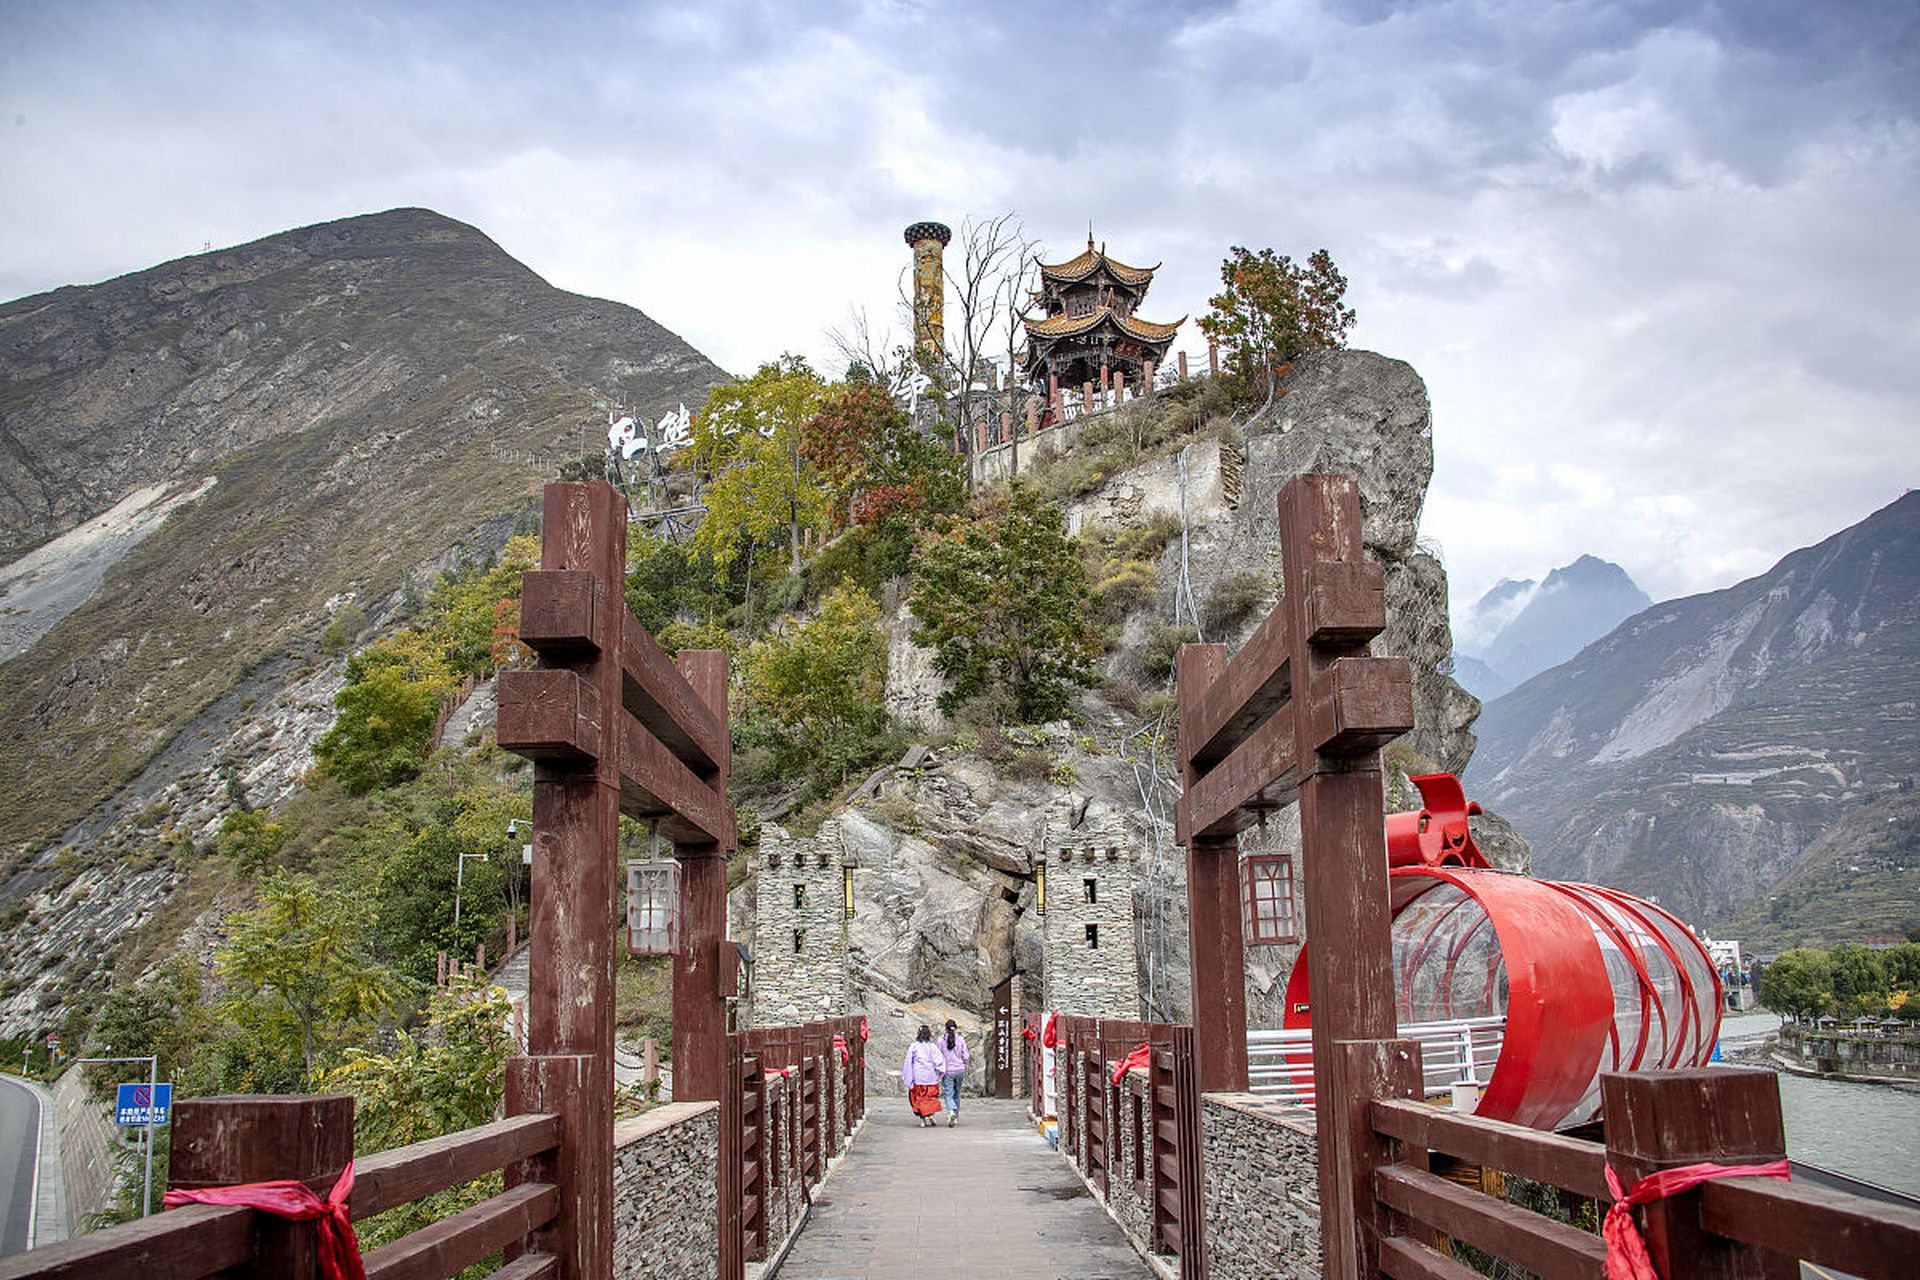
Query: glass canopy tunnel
(1588,979)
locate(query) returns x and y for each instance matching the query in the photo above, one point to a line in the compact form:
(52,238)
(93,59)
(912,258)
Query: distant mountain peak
(1520,628)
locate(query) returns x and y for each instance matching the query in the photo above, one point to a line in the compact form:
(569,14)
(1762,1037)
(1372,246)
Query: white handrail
(1454,1051)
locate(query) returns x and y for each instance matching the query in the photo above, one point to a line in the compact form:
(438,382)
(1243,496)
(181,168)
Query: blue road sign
(143,1103)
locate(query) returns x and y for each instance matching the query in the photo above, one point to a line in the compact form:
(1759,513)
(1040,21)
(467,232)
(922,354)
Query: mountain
(1715,750)
(203,464)
(1519,629)
(1477,678)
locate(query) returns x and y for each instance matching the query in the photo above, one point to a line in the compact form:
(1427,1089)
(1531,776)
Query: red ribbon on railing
(1138,1058)
(840,1043)
(1050,1031)
(1627,1257)
(785,1073)
(863,1030)
(339,1250)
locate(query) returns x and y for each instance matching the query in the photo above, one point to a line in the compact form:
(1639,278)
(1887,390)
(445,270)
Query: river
(1868,1131)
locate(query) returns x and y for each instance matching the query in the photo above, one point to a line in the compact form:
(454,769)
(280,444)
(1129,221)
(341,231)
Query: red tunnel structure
(1587,979)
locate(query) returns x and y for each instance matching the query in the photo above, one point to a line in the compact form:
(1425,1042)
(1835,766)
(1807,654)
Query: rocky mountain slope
(200,465)
(1519,629)
(1714,751)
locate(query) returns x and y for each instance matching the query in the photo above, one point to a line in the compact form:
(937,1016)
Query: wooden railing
(1163,1171)
(772,1135)
(1733,1227)
(224,1141)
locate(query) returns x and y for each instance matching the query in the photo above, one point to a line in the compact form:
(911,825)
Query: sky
(1657,263)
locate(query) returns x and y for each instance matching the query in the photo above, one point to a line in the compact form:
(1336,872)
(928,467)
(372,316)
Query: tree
(819,688)
(1273,309)
(417,881)
(1859,979)
(300,981)
(990,270)
(1799,983)
(747,437)
(1003,602)
(251,840)
(873,462)
(387,709)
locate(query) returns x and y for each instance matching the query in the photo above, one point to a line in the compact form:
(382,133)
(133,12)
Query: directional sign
(143,1103)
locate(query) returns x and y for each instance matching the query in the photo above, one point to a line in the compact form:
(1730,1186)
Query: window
(1093,890)
(1040,888)
(1093,937)
(846,890)
(799,940)
(1140,1140)
(1268,905)
(799,896)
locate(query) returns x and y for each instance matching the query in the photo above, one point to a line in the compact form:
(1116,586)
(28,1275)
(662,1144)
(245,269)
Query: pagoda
(1087,332)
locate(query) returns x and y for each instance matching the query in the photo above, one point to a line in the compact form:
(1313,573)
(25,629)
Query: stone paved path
(988,1198)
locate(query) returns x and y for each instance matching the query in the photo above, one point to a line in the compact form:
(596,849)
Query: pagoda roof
(1071,326)
(1080,267)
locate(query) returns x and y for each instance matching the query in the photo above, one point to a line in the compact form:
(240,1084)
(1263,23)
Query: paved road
(988,1198)
(19,1133)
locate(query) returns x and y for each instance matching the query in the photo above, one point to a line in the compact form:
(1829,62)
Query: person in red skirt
(921,1074)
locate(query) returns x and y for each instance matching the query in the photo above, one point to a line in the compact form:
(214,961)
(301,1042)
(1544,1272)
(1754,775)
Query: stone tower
(1092,968)
(929,241)
(799,928)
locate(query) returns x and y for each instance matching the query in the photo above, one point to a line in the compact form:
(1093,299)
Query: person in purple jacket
(921,1074)
(953,1056)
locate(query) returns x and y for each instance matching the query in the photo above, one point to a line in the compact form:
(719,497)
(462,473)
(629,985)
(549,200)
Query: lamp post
(459,883)
(153,1078)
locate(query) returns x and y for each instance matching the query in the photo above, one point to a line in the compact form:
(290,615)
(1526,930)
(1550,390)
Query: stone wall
(799,928)
(1262,1197)
(1847,1055)
(1092,966)
(665,1199)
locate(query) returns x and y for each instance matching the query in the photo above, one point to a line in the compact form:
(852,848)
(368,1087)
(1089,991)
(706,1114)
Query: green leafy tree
(415,886)
(818,688)
(1271,309)
(748,439)
(1799,983)
(466,610)
(1859,980)
(301,982)
(251,840)
(387,708)
(161,1014)
(1003,602)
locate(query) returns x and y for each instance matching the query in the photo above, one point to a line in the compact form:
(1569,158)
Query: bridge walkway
(988,1198)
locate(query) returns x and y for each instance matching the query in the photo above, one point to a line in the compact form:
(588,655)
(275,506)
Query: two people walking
(932,1072)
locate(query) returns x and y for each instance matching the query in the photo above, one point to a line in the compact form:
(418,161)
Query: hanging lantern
(653,907)
(1267,899)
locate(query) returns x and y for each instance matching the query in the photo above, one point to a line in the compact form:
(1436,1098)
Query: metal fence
(1460,1051)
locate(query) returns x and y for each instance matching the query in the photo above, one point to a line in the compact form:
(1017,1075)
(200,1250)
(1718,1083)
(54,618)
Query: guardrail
(1461,1051)
(769,1136)
(1743,1226)
(226,1141)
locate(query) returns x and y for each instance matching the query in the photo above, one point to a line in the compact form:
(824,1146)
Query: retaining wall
(1261,1188)
(1844,1054)
(666,1202)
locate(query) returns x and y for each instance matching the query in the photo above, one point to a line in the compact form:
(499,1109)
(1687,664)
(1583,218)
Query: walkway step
(986,1199)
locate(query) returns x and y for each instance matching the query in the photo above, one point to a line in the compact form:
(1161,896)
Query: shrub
(1234,598)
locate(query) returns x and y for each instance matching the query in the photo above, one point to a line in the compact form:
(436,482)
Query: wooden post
(1355,1072)
(1215,948)
(699,1002)
(1663,1119)
(1146,377)
(576,825)
(1183,366)
(562,1085)
(219,1142)
(649,1063)
(1213,357)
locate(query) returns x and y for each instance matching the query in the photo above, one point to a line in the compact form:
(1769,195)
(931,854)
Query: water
(1869,1131)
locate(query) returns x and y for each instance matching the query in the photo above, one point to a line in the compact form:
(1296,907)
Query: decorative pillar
(1033,413)
(1146,377)
(929,240)
(1183,366)
(1006,425)
(1213,357)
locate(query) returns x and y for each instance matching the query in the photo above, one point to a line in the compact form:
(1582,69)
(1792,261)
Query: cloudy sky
(1658,263)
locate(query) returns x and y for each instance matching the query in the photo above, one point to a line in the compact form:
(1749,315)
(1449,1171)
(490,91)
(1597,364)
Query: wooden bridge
(1298,715)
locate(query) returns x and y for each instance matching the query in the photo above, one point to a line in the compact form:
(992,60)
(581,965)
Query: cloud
(1653,259)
